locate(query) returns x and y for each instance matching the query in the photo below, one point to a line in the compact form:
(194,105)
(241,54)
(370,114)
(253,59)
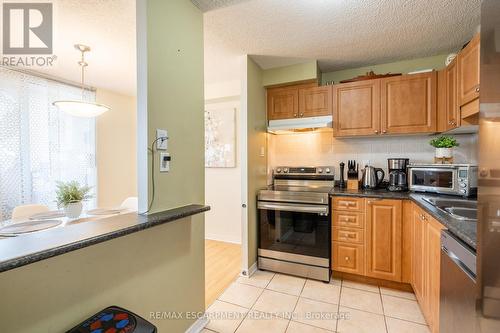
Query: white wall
(116,133)
(322,148)
(222,190)
(223,185)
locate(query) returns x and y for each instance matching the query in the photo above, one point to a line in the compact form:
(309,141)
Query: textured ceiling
(341,33)
(206,5)
(108,27)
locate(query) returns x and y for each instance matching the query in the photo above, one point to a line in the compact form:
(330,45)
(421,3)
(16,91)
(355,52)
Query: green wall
(436,62)
(292,73)
(176,99)
(175,102)
(257,138)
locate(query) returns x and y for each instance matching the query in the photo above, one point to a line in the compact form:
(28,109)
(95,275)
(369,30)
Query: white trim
(252,269)
(142,106)
(244,163)
(221,238)
(198,325)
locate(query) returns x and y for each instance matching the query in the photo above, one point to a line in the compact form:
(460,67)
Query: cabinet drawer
(348,203)
(348,219)
(348,235)
(348,258)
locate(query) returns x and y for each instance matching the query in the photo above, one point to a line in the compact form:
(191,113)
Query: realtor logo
(27,28)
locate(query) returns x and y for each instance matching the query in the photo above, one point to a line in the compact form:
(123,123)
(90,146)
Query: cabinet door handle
(376,131)
(384,131)
(477,89)
(302,115)
(346,258)
(295,115)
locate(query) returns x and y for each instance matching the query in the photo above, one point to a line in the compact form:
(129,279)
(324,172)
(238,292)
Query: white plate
(55,214)
(105,211)
(27,227)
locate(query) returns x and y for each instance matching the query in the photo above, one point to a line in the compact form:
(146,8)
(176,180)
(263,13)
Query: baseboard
(220,238)
(373,281)
(198,325)
(250,271)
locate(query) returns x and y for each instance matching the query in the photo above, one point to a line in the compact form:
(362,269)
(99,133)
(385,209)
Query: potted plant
(70,196)
(444,147)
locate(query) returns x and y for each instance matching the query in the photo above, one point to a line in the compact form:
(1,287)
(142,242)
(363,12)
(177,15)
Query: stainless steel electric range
(295,222)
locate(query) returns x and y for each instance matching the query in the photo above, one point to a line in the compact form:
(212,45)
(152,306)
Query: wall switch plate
(161,144)
(164,162)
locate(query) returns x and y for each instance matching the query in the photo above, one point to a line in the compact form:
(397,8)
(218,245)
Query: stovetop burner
(300,185)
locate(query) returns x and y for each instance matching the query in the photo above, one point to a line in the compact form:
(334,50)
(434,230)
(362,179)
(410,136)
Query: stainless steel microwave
(454,179)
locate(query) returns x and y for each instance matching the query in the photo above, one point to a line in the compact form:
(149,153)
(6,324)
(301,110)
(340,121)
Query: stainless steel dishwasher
(458,286)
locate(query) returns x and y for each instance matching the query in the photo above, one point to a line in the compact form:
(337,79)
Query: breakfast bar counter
(29,248)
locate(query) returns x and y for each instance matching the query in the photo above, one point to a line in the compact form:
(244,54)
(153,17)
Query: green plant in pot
(444,148)
(69,195)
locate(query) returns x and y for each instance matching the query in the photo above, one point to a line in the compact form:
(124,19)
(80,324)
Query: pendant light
(81,108)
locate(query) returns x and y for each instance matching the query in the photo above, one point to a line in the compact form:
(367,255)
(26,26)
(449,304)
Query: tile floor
(268,303)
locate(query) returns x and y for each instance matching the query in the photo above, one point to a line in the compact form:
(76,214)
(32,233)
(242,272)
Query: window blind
(40,145)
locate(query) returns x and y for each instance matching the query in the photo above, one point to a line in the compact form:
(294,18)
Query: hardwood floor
(222,266)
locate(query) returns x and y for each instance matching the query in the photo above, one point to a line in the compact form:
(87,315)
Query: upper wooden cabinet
(468,72)
(408,104)
(315,101)
(447,98)
(282,103)
(383,239)
(356,108)
(403,104)
(299,101)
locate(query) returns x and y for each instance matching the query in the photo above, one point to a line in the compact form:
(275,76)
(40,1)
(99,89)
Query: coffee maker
(397,174)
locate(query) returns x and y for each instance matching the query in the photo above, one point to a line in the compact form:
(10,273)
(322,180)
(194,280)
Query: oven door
(297,229)
(437,180)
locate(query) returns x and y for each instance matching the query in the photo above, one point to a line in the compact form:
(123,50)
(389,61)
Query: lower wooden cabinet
(392,240)
(418,252)
(433,270)
(426,268)
(383,239)
(348,258)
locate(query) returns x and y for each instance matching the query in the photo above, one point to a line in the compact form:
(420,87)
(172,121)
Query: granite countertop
(378,193)
(26,249)
(464,230)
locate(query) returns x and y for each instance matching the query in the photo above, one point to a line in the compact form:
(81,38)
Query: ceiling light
(81,108)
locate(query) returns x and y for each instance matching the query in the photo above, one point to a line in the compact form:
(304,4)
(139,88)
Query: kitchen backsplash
(320,148)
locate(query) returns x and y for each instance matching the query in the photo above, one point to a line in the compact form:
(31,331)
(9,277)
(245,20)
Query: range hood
(300,124)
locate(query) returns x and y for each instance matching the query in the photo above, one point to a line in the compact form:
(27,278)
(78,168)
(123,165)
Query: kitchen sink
(461,203)
(457,208)
(463,213)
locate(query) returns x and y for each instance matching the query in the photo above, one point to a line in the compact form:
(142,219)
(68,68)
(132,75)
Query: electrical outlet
(161,144)
(164,162)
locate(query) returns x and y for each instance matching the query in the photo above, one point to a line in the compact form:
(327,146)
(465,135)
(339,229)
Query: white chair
(131,203)
(25,211)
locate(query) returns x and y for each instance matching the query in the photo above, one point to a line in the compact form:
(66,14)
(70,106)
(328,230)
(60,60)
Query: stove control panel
(321,170)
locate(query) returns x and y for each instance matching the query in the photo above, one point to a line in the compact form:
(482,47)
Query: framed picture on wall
(220,137)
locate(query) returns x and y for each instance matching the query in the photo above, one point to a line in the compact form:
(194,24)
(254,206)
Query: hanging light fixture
(81,108)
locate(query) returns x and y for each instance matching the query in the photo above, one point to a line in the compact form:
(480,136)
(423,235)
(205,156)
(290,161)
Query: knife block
(353,184)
